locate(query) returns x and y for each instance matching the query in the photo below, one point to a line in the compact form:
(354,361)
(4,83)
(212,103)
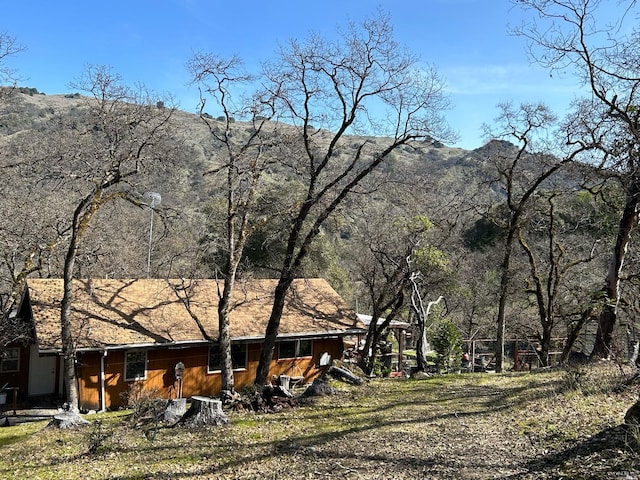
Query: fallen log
(344,375)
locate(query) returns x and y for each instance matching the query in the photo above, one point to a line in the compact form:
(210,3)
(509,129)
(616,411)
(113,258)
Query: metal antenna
(154,200)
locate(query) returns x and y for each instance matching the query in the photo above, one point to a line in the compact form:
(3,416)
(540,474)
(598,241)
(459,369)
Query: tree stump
(68,420)
(284,381)
(318,388)
(204,411)
(176,408)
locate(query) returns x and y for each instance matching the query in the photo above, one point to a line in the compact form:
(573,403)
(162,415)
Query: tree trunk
(608,316)
(68,347)
(604,335)
(545,343)
(502,302)
(573,334)
(224,339)
(421,348)
(368,352)
(271,333)
(421,345)
(374,331)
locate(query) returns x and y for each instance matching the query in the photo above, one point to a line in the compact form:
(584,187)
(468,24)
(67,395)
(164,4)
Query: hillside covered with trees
(335,164)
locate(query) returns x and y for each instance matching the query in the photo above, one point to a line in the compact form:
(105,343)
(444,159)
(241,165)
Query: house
(144,331)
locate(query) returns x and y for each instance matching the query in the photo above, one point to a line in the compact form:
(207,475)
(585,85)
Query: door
(42,373)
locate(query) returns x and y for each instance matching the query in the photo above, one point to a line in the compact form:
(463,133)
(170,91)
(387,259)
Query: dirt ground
(554,424)
(528,426)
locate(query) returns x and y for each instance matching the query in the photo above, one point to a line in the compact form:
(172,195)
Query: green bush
(447,343)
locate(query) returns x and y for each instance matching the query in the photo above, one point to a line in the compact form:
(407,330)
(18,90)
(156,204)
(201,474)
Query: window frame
(128,362)
(297,349)
(234,356)
(9,359)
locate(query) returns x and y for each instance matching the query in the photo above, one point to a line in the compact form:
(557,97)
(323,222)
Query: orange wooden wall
(196,380)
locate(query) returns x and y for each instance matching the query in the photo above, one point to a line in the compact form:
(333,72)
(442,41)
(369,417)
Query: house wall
(19,379)
(196,380)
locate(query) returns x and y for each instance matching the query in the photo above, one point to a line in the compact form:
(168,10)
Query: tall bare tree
(94,161)
(363,82)
(397,256)
(520,169)
(245,160)
(18,263)
(554,255)
(576,36)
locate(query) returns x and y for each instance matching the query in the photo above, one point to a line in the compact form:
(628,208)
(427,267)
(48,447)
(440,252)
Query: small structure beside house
(402,331)
(161,335)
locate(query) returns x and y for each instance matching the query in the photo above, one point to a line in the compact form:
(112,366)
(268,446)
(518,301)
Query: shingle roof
(107,313)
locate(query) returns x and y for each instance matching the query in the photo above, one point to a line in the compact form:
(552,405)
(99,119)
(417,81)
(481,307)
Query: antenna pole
(150,238)
(154,198)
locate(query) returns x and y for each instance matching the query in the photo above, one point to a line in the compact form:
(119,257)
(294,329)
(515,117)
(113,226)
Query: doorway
(42,373)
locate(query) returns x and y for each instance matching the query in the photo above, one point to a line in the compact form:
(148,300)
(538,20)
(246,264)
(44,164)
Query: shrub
(603,377)
(447,343)
(147,405)
(96,437)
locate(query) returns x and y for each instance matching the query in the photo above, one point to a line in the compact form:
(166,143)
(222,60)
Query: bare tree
(360,83)
(545,240)
(422,316)
(245,159)
(94,162)
(520,171)
(397,257)
(9,46)
(18,263)
(568,35)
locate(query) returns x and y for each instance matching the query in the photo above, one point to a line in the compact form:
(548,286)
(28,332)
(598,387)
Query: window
(238,357)
(294,349)
(135,365)
(10,361)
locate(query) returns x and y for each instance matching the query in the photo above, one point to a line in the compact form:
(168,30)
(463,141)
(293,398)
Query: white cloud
(513,80)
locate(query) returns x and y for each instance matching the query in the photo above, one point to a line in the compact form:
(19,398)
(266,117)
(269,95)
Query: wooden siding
(196,380)
(20,378)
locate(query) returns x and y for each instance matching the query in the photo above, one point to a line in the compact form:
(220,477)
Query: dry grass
(544,425)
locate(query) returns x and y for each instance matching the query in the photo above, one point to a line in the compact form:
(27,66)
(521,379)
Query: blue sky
(150,42)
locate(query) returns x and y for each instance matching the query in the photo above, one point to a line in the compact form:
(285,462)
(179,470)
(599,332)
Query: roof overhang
(189,344)
(393,324)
